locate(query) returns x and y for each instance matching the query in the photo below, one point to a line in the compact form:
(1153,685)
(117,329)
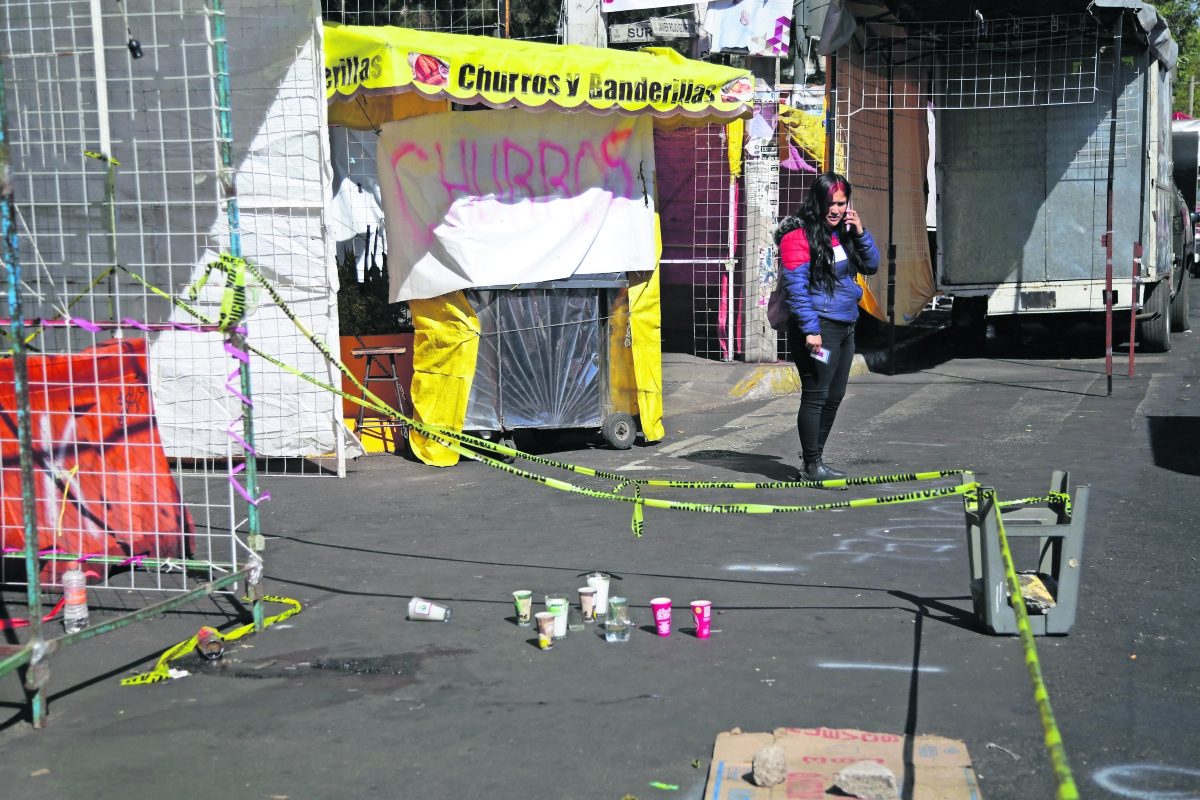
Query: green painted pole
(35,678)
(229,188)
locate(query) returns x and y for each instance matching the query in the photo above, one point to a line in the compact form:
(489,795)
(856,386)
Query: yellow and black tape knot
(161,672)
(639,523)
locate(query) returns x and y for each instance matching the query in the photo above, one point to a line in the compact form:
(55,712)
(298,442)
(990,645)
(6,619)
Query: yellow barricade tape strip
(372,402)
(456,441)
(1058,754)
(162,673)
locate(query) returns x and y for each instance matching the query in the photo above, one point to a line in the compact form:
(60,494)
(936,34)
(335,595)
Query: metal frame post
(891,249)
(39,669)
(1108,229)
(1134,293)
(237,340)
(830,112)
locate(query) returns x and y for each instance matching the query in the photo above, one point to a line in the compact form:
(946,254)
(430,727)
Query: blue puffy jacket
(808,303)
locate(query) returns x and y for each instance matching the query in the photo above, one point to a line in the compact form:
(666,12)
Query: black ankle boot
(817,471)
(834,474)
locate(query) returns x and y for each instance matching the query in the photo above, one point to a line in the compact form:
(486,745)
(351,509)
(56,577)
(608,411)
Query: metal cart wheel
(506,440)
(619,430)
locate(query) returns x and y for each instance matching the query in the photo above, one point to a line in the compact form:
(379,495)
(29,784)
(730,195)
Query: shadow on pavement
(1175,443)
(771,467)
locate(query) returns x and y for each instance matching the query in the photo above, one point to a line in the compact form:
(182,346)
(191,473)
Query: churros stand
(525,243)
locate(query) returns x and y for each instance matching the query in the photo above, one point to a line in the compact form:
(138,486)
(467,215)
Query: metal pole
(238,340)
(507,35)
(729,264)
(1192,95)
(1134,293)
(830,112)
(891,250)
(38,673)
(1108,228)
(106,155)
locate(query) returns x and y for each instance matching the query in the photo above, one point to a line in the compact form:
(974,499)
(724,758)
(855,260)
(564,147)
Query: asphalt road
(851,618)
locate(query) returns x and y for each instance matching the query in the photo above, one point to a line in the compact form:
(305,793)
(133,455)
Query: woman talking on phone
(823,248)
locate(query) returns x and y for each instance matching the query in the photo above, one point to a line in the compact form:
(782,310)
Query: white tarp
(609,6)
(283,179)
(488,198)
(753,27)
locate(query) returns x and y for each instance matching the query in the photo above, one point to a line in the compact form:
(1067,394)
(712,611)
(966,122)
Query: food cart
(525,243)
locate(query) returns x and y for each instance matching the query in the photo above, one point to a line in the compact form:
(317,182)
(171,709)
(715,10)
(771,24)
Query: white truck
(1021,193)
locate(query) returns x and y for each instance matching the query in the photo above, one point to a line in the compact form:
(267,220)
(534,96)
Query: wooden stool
(379,426)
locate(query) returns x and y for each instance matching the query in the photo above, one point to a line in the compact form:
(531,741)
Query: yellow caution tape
(458,442)
(1054,743)
(102,157)
(162,673)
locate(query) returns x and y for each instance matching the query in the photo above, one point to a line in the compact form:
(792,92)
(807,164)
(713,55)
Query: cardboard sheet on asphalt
(814,755)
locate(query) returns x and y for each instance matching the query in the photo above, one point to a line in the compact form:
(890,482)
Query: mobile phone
(821,354)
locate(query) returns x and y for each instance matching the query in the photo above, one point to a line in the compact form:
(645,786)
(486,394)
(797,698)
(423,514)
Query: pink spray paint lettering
(477,199)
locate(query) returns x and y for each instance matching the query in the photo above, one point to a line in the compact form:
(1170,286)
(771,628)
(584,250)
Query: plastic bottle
(75,612)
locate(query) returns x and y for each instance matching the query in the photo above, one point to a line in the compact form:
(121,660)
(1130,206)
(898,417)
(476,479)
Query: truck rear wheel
(1179,305)
(1154,334)
(968,325)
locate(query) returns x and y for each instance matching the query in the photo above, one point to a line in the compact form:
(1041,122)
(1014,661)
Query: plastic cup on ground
(617,627)
(574,619)
(428,611)
(600,581)
(702,612)
(587,603)
(662,615)
(557,605)
(545,624)
(523,600)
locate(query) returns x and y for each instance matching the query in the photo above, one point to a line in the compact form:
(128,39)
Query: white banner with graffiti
(504,197)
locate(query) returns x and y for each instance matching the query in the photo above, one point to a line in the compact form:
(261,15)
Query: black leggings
(822,385)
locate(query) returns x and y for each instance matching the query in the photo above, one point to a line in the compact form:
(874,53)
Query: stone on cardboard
(867,780)
(770,766)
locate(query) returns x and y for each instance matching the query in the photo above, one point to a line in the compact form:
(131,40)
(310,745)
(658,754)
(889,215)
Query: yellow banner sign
(502,73)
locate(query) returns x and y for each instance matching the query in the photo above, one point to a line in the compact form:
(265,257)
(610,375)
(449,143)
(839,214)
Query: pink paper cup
(662,615)
(702,611)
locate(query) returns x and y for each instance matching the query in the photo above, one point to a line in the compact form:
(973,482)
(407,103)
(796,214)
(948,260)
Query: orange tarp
(92,412)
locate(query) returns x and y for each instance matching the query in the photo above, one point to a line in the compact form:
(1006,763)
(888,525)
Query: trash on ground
(209,644)
(545,624)
(662,615)
(599,581)
(1039,590)
(994,746)
(557,605)
(428,611)
(702,611)
(587,602)
(814,757)
(668,786)
(523,600)
(618,628)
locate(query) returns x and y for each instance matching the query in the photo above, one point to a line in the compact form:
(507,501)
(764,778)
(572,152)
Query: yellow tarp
(445,347)
(503,73)
(735,133)
(808,132)
(645,321)
(369,112)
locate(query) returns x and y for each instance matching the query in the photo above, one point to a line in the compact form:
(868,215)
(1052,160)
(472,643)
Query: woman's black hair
(811,217)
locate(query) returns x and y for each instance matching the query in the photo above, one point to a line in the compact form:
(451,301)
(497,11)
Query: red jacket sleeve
(793,250)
